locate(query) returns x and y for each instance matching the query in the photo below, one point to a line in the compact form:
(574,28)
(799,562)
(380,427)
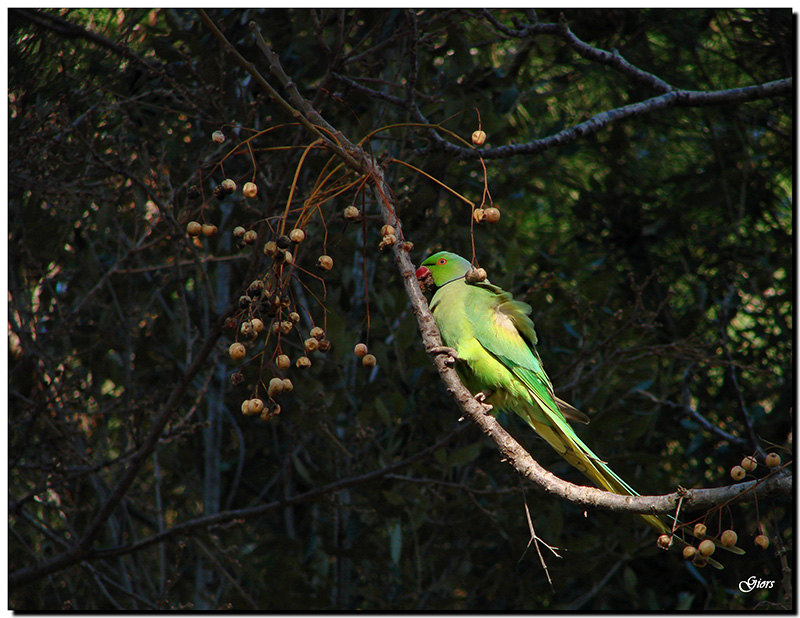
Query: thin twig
(274,95)
(230,515)
(535,538)
(224,572)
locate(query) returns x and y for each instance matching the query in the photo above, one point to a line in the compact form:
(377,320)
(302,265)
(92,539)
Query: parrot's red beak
(424,278)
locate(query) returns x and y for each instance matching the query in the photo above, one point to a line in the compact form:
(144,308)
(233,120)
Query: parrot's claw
(443,349)
(481,398)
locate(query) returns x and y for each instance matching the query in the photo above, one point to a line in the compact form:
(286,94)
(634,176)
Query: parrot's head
(443,267)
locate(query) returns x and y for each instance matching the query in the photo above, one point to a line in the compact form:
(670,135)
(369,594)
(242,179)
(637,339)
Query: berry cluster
(268,309)
(749,464)
(268,306)
(728,538)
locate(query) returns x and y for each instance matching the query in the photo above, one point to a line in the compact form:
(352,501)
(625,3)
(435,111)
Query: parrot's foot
(481,398)
(443,349)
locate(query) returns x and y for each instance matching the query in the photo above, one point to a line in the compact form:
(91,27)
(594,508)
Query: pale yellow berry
(250,236)
(255,406)
(282,361)
(324,345)
(310,344)
(246,328)
(209,230)
(737,473)
(317,333)
(699,530)
(369,361)
(237,351)
(762,541)
(258,325)
(475,275)
(478,137)
(689,552)
(664,541)
(325,262)
(773,460)
(749,463)
(294,317)
(255,287)
(352,213)
(193,228)
(238,231)
(228,185)
(491,215)
(287,385)
(286,326)
(728,538)
(408,246)
(218,137)
(246,407)
(270,248)
(297,235)
(478,214)
(706,547)
(361,350)
(249,189)
(275,387)
(386,230)
(303,362)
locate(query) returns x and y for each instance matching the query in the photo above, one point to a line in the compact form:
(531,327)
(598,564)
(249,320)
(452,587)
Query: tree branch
(674,98)
(584,50)
(82,549)
(300,109)
(670,96)
(227,516)
(70,30)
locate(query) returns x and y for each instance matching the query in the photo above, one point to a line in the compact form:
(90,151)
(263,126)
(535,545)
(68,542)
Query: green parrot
(495,349)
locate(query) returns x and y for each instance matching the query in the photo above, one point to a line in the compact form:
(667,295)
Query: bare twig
(70,30)
(78,552)
(723,336)
(300,104)
(535,538)
(224,572)
(695,415)
(240,514)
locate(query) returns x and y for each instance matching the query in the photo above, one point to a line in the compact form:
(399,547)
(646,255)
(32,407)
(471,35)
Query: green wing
(511,337)
(504,330)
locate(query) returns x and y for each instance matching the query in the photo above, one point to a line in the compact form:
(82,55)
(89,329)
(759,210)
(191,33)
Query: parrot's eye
(441,261)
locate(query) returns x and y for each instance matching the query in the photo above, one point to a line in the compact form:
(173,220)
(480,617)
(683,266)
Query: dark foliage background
(657,255)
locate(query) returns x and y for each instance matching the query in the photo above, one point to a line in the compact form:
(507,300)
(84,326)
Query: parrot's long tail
(566,442)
